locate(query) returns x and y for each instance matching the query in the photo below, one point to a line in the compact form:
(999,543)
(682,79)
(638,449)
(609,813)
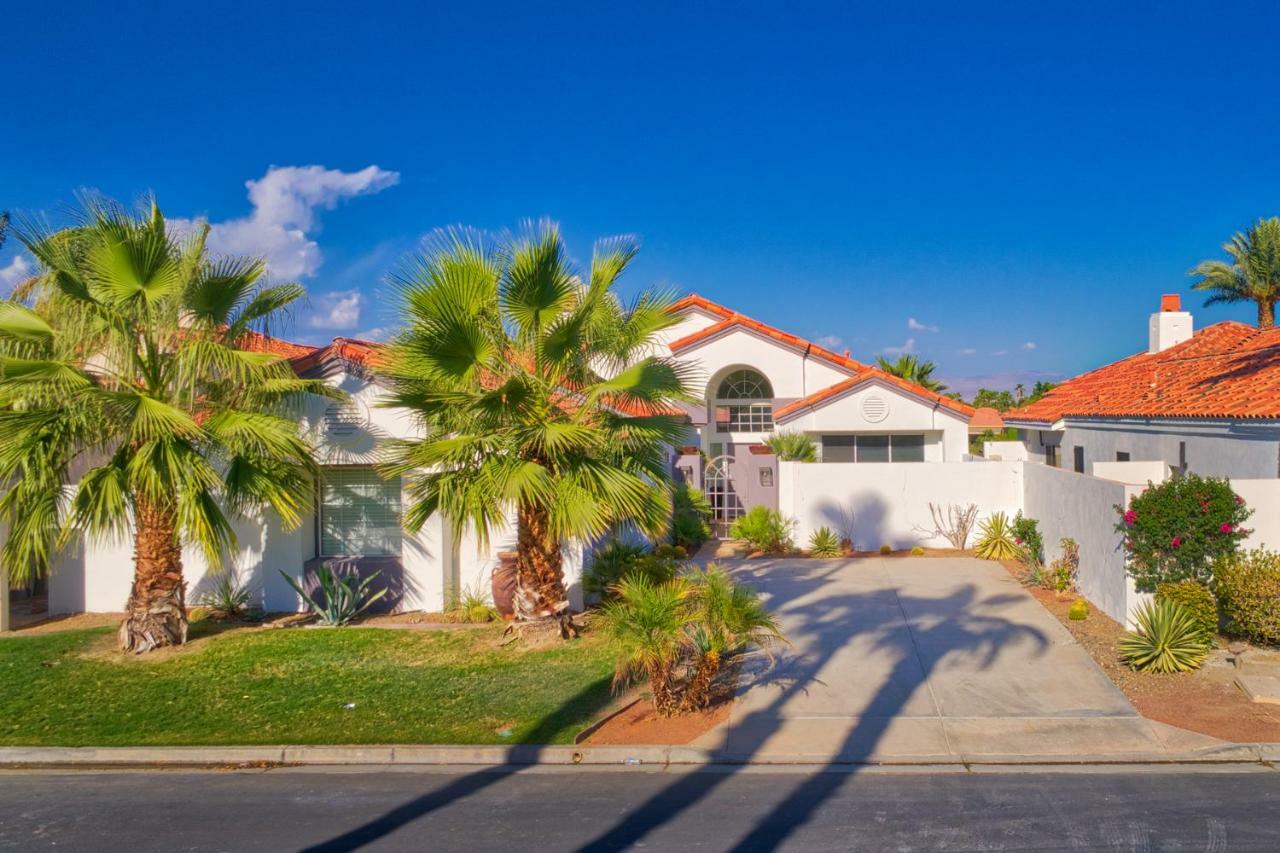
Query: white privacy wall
(889,502)
(1263,497)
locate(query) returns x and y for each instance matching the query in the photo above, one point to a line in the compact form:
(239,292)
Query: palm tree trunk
(698,694)
(661,676)
(539,571)
(1266,314)
(157,605)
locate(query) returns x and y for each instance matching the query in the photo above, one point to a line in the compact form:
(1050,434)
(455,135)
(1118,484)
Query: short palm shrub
(342,595)
(1168,639)
(727,617)
(765,529)
(824,543)
(616,560)
(690,517)
(227,598)
(793,446)
(1248,590)
(1177,530)
(1197,598)
(995,539)
(677,634)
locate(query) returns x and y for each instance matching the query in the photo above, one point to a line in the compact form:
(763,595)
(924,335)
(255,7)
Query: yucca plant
(824,543)
(227,597)
(648,621)
(130,406)
(1168,639)
(996,539)
(793,446)
(727,616)
(343,596)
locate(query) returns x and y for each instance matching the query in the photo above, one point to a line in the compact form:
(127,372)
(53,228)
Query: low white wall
(1136,472)
(889,502)
(1080,507)
(1263,497)
(1004,451)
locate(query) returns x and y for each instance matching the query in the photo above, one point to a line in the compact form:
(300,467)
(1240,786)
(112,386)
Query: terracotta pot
(504,584)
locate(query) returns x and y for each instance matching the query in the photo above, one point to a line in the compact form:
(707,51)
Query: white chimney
(1170,326)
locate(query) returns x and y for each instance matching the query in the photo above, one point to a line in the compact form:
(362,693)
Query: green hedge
(1248,589)
(1198,601)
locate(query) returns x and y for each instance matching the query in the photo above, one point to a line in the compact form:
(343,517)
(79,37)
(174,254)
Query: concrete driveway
(924,658)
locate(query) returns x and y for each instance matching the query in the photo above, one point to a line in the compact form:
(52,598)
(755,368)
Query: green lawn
(250,686)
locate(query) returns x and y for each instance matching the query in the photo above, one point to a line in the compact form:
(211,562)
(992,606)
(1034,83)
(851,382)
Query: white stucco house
(1204,401)
(752,379)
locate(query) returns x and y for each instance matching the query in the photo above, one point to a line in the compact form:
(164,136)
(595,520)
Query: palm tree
(726,618)
(910,368)
(649,624)
(122,387)
(539,393)
(1253,275)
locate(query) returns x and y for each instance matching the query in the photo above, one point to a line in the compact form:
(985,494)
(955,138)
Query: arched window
(751,406)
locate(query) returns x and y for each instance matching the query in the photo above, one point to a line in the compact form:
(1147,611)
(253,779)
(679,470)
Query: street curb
(569,756)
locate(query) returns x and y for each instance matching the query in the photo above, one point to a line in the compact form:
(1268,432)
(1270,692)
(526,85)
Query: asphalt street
(554,810)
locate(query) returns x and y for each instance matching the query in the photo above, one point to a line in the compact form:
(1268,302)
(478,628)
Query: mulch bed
(635,723)
(1205,701)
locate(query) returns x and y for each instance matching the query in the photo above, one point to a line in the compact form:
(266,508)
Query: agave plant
(227,598)
(995,539)
(1168,639)
(344,595)
(793,446)
(726,617)
(824,543)
(648,622)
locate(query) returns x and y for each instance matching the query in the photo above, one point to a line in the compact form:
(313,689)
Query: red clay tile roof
(1227,370)
(252,341)
(860,371)
(693,300)
(986,418)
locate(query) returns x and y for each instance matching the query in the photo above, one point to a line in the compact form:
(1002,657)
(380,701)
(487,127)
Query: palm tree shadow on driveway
(801,600)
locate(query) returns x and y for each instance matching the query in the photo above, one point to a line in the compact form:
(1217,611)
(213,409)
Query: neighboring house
(1206,402)
(753,379)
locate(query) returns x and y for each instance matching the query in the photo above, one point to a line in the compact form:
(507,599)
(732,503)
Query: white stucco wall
(1006,451)
(788,371)
(1263,497)
(889,502)
(1244,449)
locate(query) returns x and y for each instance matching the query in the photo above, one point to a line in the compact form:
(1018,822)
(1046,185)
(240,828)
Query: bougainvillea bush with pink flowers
(1174,531)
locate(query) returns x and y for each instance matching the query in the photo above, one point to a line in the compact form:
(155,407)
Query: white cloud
(915,325)
(968,351)
(1029,345)
(1000,352)
(15,272)
(285,201)
(337,310)
(906,349)
(830,341)
(377,334)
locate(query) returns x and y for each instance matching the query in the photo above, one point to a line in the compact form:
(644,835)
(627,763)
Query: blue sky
(997,176)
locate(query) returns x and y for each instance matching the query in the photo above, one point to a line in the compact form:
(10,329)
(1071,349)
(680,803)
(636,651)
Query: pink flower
(1226,527)
(1130,518)
(1177,542)
(1239,500)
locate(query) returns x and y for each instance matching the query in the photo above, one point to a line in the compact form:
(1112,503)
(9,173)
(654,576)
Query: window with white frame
(744,402)
(873,447)
(359,513)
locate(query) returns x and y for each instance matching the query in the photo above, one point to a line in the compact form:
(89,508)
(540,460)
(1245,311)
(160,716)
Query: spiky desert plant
(1252,275)
(824,543)
(793,446)
(648,623)
(227,597)
(727,616)
(995,539)
(343,595)
(129,405)
(540,397)
(1168,639)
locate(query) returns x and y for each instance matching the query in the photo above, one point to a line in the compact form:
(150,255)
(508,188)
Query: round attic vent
(875,408)
(345,419)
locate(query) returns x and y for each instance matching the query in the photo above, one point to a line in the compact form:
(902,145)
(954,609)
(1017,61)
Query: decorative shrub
(690,517)
(824,543)
(1079,610)
(1176,530)
(1248,590)
(952,522)
(227,598)
(1064,568)
(886,549)
(793,446)
(1026,534)
(615,561)
(917,551)
(1168,639)
(1197,599)
(995,539)
(344,596)
(472,605)
(765,530)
